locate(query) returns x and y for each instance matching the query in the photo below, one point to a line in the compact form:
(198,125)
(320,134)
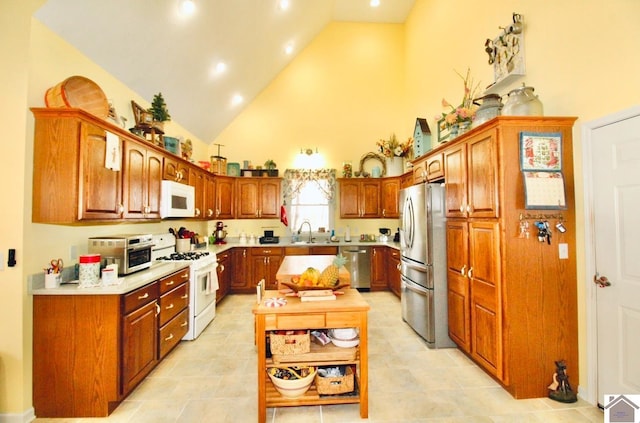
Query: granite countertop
(125,283)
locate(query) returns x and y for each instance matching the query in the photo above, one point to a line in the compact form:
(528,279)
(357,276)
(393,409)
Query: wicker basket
(80,92)
(290,344)
(335,385)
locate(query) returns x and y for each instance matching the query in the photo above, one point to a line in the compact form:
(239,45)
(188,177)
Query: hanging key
(547,231)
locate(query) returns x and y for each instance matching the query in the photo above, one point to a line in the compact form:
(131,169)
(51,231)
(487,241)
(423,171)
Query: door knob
(601,281)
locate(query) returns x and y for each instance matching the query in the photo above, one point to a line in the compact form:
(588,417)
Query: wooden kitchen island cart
(348,310)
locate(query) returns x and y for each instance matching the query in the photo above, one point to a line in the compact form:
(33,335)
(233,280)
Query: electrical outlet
(73,253)
(563,251)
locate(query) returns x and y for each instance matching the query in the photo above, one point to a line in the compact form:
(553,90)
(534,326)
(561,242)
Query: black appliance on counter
(268,238)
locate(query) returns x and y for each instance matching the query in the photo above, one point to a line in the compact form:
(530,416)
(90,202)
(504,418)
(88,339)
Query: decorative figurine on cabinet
(421,138)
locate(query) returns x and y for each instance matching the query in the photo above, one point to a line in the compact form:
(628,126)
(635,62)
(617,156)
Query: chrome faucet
(300,230)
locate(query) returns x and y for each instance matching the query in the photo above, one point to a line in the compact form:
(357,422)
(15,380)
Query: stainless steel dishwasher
(359,265)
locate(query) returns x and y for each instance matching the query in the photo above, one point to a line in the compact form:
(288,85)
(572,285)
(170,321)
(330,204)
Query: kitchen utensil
(56,265)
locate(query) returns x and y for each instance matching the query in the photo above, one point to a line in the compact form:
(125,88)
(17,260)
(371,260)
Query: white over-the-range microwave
(177,200)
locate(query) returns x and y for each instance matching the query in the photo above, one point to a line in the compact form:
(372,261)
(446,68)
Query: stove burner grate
(189,255)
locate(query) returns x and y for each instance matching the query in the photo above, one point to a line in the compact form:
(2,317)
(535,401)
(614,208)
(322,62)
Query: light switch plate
(563,250)
(1,261)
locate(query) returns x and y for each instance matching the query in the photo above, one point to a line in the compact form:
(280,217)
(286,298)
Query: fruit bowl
(298,288)
(298,382)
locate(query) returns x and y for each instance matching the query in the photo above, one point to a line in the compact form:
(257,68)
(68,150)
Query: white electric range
(203,282)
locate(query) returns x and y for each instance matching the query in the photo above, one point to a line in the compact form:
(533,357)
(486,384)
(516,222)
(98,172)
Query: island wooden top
(295,265)
(349,300)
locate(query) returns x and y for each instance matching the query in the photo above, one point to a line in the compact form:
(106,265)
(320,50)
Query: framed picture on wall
(541,151)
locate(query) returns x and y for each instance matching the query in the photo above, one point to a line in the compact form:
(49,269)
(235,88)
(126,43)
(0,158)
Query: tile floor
(213,379)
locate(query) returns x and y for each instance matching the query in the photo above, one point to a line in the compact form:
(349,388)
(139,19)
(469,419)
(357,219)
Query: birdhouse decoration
(421,138)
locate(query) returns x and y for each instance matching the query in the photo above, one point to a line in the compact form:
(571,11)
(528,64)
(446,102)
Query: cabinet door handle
(169,338)
(424,175)
(470,273)
(398,266)
(142,297)
(185,296)
(209,212)
(169,307)
(463,270)
(157,309)
(169,283)
(384,212)
(197,211)
(185,323)
(120,208)
(468,208)
(221,268)
(461,209)
(244,252)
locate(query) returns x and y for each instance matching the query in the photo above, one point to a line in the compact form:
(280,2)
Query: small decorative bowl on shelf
(292,382)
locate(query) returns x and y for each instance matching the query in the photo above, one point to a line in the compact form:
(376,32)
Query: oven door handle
(139,247)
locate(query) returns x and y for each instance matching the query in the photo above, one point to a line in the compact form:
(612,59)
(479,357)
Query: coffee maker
(220,233)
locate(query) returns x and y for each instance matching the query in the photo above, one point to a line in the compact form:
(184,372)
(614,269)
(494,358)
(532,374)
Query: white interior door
(615,171)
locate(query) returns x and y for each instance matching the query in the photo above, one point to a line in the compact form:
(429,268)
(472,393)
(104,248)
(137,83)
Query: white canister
(89,270)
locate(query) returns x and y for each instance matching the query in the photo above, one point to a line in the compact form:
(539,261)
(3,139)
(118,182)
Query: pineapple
(329,276)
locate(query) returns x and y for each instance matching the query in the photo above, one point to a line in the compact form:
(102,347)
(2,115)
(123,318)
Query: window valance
(294,180)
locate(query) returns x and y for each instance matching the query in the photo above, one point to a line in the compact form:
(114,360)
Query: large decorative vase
(395,166)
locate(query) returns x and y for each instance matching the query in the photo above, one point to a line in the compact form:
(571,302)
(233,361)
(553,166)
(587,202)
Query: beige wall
(353,85)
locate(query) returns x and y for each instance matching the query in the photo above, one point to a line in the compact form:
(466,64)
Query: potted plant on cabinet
(270,165)
(159,111)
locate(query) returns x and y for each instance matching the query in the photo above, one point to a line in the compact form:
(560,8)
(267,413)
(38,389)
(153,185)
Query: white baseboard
(26,417)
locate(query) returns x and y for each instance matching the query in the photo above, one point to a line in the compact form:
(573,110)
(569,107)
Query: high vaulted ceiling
(151,47)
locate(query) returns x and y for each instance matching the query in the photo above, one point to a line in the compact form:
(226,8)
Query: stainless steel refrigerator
(423,259)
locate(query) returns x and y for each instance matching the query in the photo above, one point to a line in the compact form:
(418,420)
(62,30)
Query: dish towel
(283,215)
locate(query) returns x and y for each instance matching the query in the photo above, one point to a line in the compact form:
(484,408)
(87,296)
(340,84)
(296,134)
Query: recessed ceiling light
(187,7)
(237,99)
(288,49)
(374,3)
(283,4)
(221,67)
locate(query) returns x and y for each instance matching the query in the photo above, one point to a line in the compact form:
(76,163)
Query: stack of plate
(344,338)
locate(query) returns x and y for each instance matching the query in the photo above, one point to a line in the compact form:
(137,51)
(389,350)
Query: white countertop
(126,283)
(233,243)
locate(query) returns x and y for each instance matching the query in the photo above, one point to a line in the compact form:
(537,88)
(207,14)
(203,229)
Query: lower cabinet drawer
(172,332)
(172,302)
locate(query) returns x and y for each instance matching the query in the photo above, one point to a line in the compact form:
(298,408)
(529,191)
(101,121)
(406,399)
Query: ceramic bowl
(344,334)
(292,388)
(342,343)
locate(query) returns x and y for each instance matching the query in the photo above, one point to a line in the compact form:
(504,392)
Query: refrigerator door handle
(414,287)
(410,265)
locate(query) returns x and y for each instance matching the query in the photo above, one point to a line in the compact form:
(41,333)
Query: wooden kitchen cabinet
(265,262)
(70,181)
(474,294)
(241,281)
(434,167)
(175,169)
(393,270)
(224,272)
(379,277)
(142,176)
(198,180)
(406,180)
(458,286)
(512,300)
(224,192)
(389,196)
(140,339)
(471,183)
(174,311)
(359,198)
(258,198)
(91,351)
